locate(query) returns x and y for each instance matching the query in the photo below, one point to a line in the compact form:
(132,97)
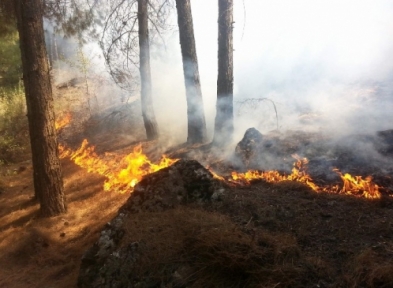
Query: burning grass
(122,173)
(273,235)
(276,234)
(352,185)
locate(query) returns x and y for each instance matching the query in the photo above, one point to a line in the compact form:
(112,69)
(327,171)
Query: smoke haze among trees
(329,62)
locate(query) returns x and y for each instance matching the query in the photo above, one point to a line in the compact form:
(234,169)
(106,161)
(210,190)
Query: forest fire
(63,121)
(357,185)
(122,174)
(352,185)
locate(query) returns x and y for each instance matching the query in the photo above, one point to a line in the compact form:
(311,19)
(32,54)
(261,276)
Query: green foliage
(13,120)
(10,61)
(13,125)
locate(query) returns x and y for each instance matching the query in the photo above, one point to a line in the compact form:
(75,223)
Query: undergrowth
(14,141)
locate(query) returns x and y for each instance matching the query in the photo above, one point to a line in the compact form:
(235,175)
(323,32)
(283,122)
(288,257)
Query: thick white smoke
(326,65)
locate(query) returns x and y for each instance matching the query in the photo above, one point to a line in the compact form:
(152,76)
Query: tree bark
(195,110)
(148,115)
(48,180)
(223,128)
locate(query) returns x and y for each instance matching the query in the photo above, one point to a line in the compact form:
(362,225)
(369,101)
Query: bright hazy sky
(323,56)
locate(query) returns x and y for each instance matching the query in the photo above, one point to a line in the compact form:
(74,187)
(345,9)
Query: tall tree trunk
(48,181)
(195,110)
(148,115)
(223,128)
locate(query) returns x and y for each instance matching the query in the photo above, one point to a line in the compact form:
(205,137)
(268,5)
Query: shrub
(14,141)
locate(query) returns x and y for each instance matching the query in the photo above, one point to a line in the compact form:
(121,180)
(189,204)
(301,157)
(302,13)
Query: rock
(385,142)
(247,150)
(261,152)
(106,264)
(184,182)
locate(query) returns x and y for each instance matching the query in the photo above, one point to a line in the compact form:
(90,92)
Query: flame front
(351,185)
(122,174)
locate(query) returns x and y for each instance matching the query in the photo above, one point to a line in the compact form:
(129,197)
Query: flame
(215,175)
(63,121)
(298,174)
(355,185)
(352,185)
(122,175)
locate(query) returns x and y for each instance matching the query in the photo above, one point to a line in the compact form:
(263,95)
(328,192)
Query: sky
(326,65)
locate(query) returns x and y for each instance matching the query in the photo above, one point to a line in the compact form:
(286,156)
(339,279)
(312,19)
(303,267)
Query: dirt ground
(271,235)
(37,252)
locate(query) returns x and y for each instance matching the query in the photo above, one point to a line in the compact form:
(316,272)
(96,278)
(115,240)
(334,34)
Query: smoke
(313,57)
(321,65)
(325,65)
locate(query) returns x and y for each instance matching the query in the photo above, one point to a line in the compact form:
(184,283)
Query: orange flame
(63,121)
(351,185)
(215,175)
(122,175)
(298,174)
(358,186)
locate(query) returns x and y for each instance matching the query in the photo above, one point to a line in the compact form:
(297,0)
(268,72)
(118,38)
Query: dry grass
(368,269)
(37,252)
(208,249)
(265,235)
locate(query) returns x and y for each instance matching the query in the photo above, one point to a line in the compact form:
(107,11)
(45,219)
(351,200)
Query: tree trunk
(48,181)
(195,110)
(223,128)
(148,115)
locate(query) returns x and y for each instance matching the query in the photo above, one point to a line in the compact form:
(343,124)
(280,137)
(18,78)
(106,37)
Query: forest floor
(305,239)
(36,252)
(259,235)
